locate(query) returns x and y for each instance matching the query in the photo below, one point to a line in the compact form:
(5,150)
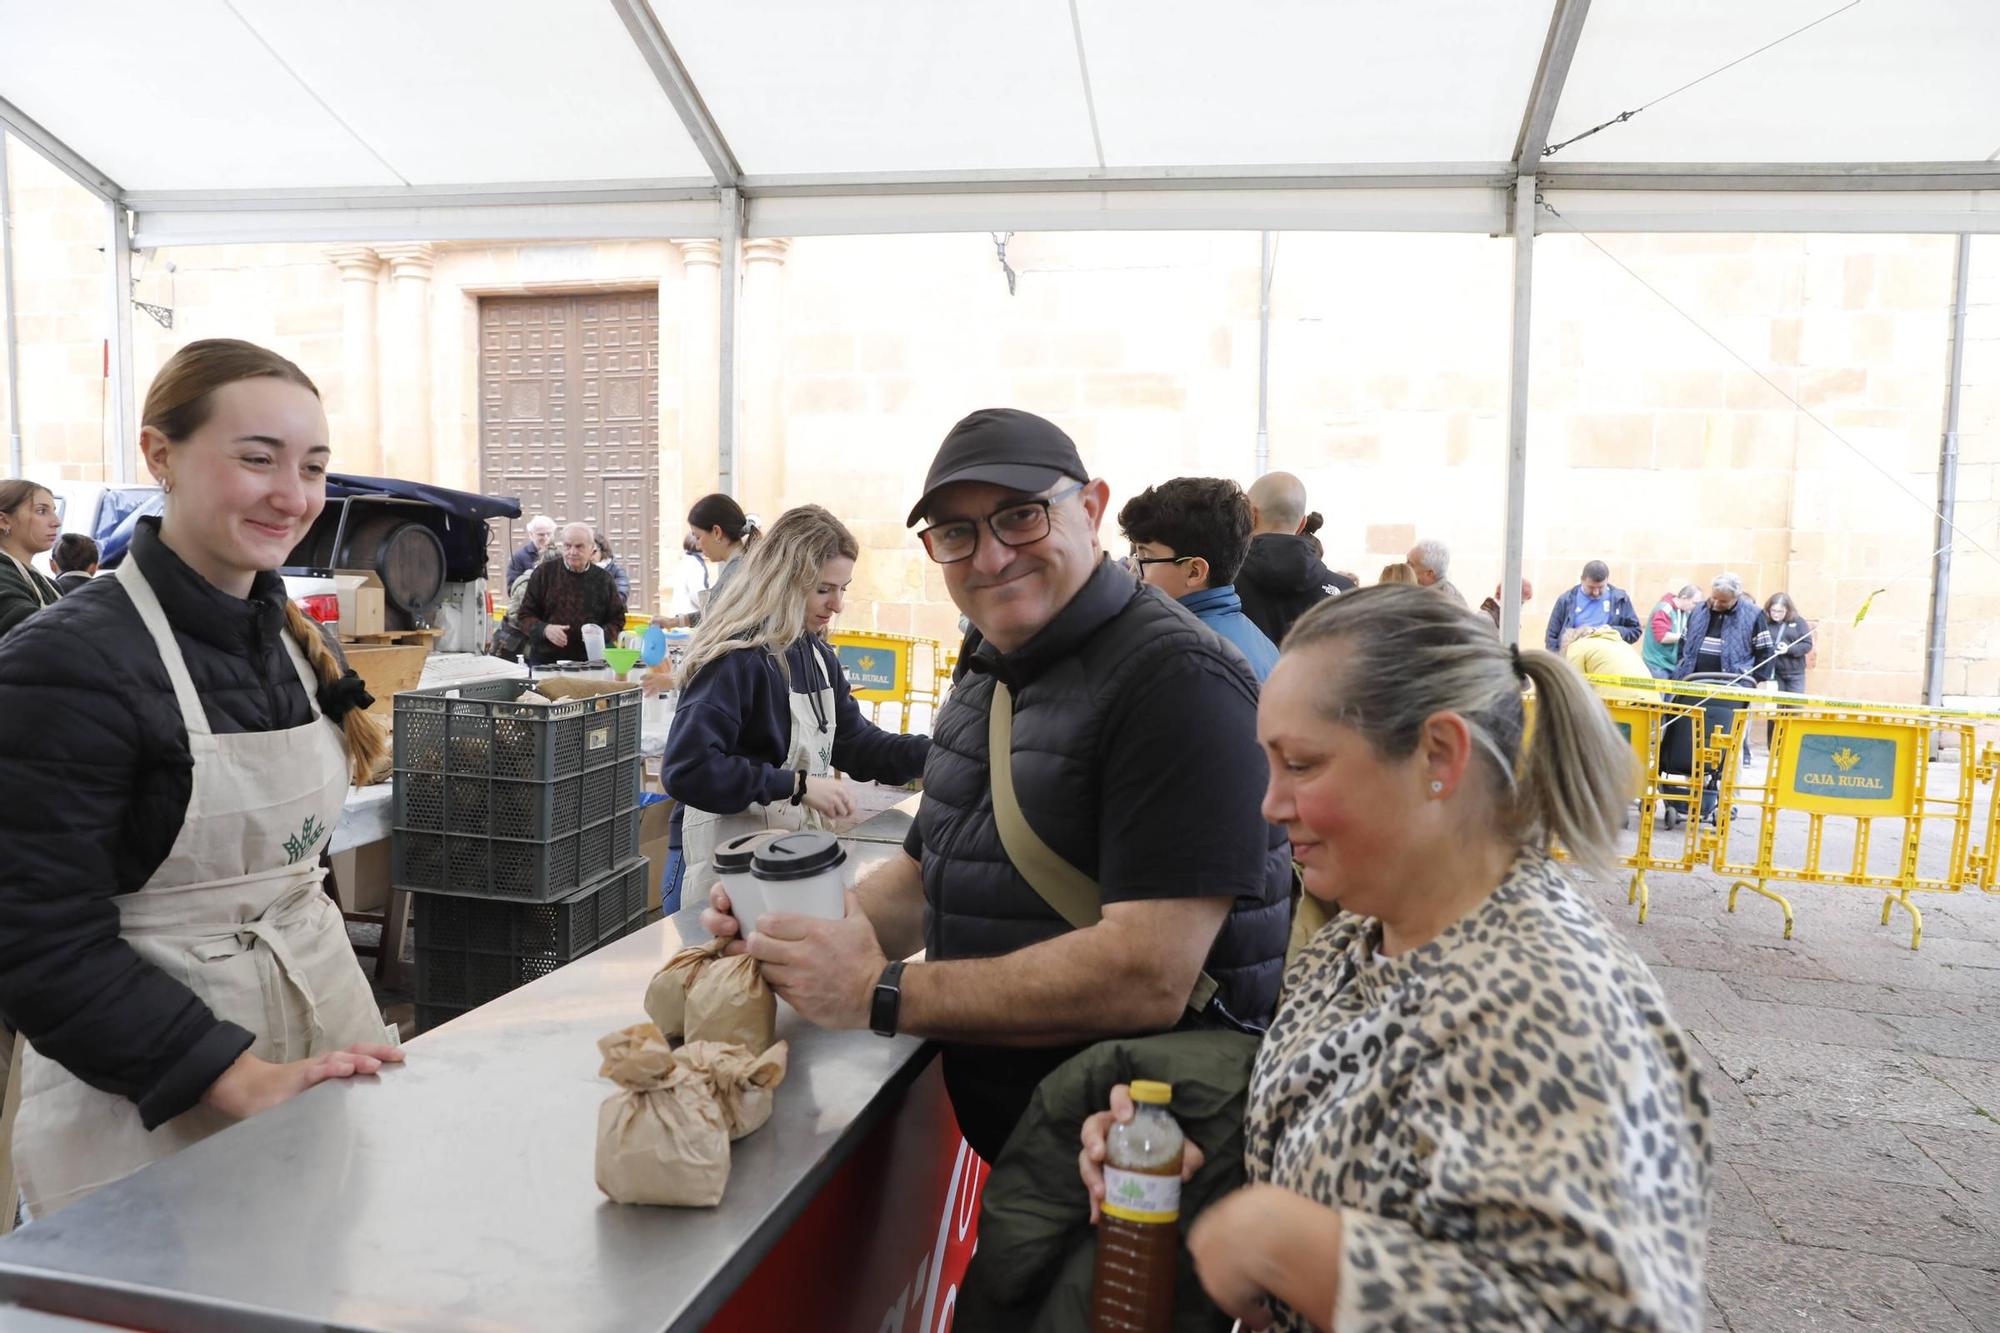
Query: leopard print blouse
(1508,1120)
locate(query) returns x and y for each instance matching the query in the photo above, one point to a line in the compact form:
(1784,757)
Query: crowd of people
(1470,1106)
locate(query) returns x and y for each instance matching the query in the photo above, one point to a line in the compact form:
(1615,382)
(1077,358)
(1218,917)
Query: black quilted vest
(976,905)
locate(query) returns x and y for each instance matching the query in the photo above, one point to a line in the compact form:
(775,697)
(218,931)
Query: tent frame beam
(686,99)
(66,159)
(1558,51)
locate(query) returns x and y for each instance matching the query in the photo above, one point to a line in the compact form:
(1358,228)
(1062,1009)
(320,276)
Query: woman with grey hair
(1474,1109)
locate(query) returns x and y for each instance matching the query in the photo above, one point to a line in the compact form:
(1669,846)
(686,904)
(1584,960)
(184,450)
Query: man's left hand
(824,969)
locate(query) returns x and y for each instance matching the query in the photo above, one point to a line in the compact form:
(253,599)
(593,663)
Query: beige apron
(811,749)
(237,912)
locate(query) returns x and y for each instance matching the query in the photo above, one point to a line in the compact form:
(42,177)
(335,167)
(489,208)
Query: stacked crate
(517,827)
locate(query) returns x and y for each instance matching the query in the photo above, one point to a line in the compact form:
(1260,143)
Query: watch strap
(886,1006)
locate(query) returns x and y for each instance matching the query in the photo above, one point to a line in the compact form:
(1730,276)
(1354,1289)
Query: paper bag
(661,1138)
(743,1082)
(666,994)
(730,1003)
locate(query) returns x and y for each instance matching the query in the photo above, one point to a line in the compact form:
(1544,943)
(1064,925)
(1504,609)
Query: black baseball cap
(1005,447)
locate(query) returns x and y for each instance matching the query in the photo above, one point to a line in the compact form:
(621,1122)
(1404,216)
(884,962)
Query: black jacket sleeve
(860,748)
(17,599)
(1625,619)
(1558,621)
(704,765)
(83,777)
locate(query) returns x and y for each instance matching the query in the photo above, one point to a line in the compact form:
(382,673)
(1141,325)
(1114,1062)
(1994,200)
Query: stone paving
(1856,1087)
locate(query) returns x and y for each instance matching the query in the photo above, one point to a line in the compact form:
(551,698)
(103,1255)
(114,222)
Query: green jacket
(1032,1272)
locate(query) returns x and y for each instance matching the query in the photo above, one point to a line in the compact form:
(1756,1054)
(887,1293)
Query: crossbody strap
(1074,895)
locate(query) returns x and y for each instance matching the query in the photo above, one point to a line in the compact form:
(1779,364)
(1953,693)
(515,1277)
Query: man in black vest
(1134,760)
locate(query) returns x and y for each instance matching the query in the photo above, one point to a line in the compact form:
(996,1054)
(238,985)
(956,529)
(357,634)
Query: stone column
(760,362)
(406,363)
(701,343)
(359,446)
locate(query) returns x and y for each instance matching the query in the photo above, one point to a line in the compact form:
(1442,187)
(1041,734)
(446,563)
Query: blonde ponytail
(367,740)
(1411,654)
(1577,774)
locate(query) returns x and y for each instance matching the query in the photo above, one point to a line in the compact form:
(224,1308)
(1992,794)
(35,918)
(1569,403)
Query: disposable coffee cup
(804,873)
(732,867)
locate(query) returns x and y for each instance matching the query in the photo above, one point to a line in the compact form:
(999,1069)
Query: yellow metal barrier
(1851,764)
(894,672)
(1670,781)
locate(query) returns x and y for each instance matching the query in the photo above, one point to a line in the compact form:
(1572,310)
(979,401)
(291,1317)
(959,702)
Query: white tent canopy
(213,121)
(222,120)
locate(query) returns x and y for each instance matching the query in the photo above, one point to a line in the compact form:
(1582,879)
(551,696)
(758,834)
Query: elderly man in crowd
(564,595)
(541,531)
(1431,559)
(1728,634)
(1127,791)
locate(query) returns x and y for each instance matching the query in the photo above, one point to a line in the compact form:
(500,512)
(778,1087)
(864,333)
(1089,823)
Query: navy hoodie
(733,727)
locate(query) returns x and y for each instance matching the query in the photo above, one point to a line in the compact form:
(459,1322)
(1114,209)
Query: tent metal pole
(1947,487)
(16,452)
(124,442)
(1264,359)
(732,279)
(1517,411)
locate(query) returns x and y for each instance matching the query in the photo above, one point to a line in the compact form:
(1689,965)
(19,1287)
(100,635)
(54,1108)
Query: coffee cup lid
(797,855)
(733,857)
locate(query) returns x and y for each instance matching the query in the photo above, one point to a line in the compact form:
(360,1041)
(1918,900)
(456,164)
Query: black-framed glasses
(1016,523)
(1137,563)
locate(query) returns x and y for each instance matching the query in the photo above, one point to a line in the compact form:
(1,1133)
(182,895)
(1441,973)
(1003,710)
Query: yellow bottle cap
(1151,1092)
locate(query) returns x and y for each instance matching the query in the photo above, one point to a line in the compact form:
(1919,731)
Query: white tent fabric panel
(532,90)
(1196,82)
(1904,81)
(194,103)
(803,86)
(269,94)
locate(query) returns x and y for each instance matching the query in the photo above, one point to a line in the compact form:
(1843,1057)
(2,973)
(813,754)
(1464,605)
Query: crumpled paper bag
(730,1003)
(743,1081)
(662,1137)
(666,993)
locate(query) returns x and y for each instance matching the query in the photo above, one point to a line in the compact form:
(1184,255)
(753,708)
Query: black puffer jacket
(95,774)
(1135,758)
(1281,580)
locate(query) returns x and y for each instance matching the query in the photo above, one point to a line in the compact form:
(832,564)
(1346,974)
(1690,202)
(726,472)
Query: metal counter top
(458,1192)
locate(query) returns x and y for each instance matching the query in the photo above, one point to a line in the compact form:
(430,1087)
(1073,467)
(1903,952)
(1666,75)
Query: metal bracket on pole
(119,413)
(732,280)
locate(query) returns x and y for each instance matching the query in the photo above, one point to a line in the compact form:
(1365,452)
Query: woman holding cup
(765,714)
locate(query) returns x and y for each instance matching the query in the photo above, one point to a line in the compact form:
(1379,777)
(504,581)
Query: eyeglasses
(1016,523)
(1137,563)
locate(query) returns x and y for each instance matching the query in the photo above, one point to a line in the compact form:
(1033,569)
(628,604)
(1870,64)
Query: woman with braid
(178,740)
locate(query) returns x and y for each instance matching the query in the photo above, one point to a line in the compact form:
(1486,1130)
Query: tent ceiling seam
(1089,97)
(313,93)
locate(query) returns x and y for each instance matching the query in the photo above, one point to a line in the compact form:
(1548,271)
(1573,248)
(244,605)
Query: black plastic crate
(471,950)
(510,808)
(437,1015)
(518,869)
(477,730)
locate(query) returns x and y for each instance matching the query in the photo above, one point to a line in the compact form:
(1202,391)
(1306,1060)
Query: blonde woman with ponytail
(766,719)
(180,741)
(1474,1109)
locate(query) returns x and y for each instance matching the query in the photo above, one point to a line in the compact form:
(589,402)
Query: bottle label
(1132,1197)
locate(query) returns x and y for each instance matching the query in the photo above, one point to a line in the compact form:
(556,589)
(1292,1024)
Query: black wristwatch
(799,789)
(882,1012)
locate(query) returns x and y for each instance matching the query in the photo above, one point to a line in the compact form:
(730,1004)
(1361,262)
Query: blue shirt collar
(1206,600)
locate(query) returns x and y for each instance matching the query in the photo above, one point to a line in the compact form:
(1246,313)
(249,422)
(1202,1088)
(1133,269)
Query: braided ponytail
(367,741)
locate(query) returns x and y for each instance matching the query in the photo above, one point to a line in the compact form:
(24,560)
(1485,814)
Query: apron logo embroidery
(302,843)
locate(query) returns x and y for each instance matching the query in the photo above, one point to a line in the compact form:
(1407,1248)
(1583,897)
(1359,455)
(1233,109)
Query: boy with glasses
(1132,762)
(1189,537)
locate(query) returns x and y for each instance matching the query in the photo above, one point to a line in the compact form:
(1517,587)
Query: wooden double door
(569,421)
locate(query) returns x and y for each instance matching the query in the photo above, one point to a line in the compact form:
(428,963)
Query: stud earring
(1437,788)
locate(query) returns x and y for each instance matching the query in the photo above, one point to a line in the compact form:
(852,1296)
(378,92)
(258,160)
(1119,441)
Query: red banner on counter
(884,1245)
